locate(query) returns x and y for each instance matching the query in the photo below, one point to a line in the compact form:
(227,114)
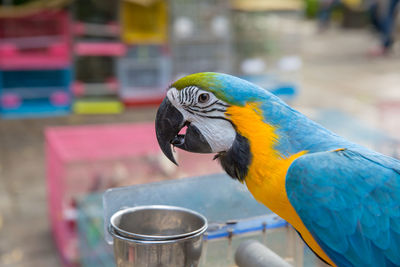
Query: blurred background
(80,81)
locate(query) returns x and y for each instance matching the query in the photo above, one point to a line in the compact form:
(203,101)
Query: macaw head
(201,102)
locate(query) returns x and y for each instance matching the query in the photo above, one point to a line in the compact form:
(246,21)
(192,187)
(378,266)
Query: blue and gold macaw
(343,199)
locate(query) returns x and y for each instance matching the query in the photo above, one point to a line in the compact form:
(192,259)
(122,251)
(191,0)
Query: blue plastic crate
(33,79)
(35,93)
(35,108)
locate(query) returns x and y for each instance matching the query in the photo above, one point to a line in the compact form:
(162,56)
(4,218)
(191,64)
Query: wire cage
(38,93)
(39,41)
(87,159)
(96,85)
(83,160)
(143,81)
(193,20)
(96,18)
(95,76)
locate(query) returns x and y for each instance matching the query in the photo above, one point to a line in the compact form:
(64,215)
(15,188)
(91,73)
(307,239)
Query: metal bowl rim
(154,242)
(122,233)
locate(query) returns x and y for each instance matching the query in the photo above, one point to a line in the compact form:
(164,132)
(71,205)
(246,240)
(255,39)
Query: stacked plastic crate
(200,36)
(97,48)
(146,69)
(35,65)
(87,159)
(267,43)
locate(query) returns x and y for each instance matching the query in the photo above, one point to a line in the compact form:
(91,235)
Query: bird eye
(203,98)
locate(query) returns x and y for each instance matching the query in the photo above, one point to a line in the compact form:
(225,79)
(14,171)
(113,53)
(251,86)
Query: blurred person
(325,11)
(327,6)
(383,17)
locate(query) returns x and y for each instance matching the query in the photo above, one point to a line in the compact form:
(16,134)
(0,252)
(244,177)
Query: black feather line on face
(215,102)
(186,96)
(192,96)
(237,159)
(204,111)
(222,104)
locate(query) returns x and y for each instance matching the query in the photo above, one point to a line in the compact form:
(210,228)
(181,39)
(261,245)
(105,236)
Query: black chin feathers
(237,159)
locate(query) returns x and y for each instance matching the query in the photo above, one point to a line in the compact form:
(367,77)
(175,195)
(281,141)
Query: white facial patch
(219,133)
(209,118)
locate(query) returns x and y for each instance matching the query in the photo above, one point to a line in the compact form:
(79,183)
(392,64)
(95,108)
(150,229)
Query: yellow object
(267,5)
(98,107)
(266,178)
(353,4)
(144,23)
(339,149)
(143,2)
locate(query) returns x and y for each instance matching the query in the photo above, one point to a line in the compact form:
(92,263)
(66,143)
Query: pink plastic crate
(39,41)
(100,49)
(85,159)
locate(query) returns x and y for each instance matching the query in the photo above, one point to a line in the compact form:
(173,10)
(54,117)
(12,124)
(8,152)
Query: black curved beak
(169,121)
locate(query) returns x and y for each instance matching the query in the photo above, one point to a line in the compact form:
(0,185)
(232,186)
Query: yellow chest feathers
(267,171)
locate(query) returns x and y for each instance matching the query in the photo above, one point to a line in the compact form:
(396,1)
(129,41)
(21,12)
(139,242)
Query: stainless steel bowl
(157,222)
(164,236)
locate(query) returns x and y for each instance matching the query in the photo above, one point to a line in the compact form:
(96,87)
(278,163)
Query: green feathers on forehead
(207,81)
(203,80)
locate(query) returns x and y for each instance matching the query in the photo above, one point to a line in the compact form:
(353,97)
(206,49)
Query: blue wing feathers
(350,202)
(361,246)
(392,252)
(395,224)
(348,223)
